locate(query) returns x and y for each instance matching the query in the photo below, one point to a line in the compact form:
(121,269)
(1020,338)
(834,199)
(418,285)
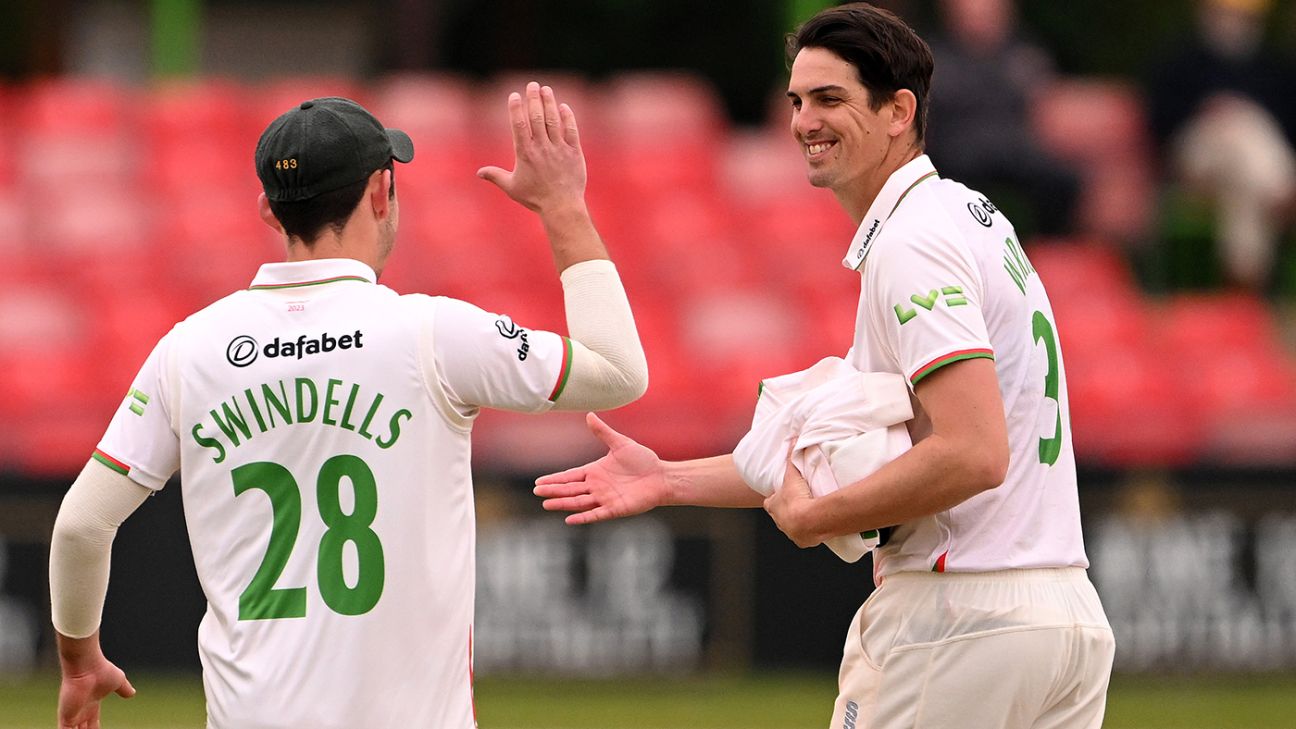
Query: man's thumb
(604,432)
(493,174)
(125,690)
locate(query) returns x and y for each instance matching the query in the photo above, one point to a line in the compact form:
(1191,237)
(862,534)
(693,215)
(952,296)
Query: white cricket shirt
(944,279)
(320,424)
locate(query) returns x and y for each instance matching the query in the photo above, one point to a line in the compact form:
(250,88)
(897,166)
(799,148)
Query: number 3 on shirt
(262,600)
(1042,328)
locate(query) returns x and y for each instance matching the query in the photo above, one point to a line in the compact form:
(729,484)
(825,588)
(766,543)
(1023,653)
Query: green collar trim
(299,284)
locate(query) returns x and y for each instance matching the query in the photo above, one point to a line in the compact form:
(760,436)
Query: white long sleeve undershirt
(98,502)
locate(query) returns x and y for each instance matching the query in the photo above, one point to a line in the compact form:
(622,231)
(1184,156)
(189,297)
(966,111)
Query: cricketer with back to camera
(321,423)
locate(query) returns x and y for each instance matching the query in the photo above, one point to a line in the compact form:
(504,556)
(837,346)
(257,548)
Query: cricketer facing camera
(320,423)
(983,615)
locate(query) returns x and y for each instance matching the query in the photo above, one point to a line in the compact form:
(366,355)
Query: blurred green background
(788,700)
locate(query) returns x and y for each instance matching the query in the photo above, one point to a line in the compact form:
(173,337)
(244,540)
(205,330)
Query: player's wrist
(569,212)
(76,655)
(818,515)
(673,484)
(572,237)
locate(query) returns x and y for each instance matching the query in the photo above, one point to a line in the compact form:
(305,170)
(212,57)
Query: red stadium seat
(208,244)
(15,214)
(1077,268)
(267,101)
(75,105)
(763,166)
(571,88)
(1265,436)
(687,242)
(524,443)
(695,405)
(436,110)
(657,318)
(172,164)
(1247,394)
(48,362)
(1088,119)
(51,162)
(426,101)
(1102,321)
(1181,385)
(127,324)
(1227,351)
(650,103)
(40,315)
(829,306)
(662,131)
(470,235)
(209,108)
(1227,381)
(797,241)
(91,222)
(199,138)
(1100,125)
(75,130)
(736,338)
(1126,411)
(1191,323)
(56,445)
(681,428)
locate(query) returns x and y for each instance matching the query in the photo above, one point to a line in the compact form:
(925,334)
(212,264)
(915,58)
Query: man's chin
(818,179)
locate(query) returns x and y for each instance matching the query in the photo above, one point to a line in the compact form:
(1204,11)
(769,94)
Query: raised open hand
(549,170)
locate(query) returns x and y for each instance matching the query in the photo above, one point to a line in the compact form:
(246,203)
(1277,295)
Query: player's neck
(350,243)
(857,197)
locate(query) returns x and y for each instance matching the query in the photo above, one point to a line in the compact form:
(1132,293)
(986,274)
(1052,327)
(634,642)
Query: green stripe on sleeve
(950,358)
(566,371)
(110,462)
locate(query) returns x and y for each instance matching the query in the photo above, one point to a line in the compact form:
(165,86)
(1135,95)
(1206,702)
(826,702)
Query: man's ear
(904,112)
(378,191)
(267,215)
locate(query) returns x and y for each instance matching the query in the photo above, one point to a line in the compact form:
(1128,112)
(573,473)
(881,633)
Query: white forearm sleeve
(98,502)
(608,368)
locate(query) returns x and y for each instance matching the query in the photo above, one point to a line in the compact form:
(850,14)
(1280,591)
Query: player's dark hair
(887,54)
(307,219)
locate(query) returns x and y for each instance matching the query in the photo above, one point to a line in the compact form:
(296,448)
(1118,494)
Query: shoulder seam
(435,393)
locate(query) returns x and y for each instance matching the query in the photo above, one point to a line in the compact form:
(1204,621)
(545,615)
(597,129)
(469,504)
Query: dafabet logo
(243,350)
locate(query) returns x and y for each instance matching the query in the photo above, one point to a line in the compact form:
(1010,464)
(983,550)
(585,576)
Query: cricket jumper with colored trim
(321,423)
(944,279)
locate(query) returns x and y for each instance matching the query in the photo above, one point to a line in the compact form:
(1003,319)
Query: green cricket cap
(323,145)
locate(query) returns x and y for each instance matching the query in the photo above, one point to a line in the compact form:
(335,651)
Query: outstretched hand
(549,170)
(629,480)
(82,690)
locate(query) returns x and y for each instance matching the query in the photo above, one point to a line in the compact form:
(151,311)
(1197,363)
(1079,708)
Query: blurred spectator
(1221,112)
(985,79)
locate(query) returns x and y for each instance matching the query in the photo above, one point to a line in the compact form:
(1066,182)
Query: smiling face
(849,147)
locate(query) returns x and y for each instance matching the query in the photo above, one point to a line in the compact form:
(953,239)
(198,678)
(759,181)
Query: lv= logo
(953,297)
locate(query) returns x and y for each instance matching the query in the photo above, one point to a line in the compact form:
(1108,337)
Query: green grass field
(766,701)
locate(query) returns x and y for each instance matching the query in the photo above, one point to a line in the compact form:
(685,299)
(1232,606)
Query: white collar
(295,274)
(888,199)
